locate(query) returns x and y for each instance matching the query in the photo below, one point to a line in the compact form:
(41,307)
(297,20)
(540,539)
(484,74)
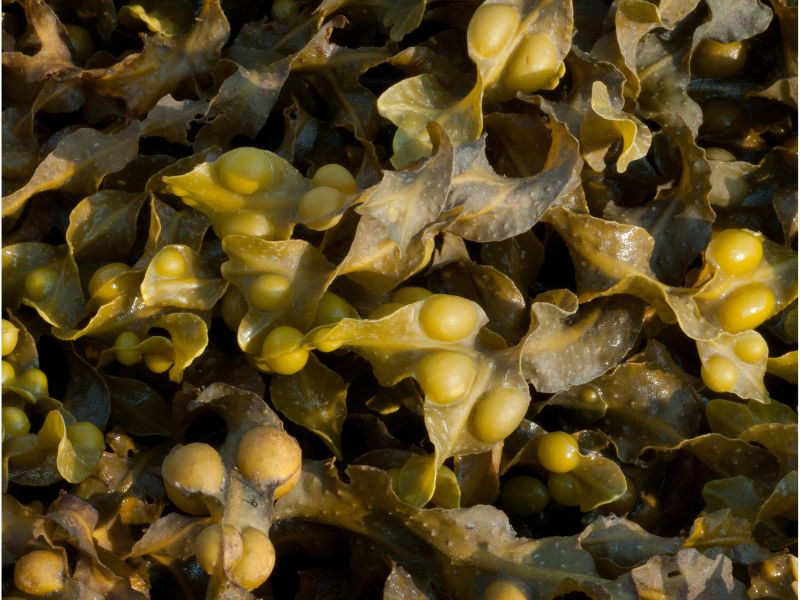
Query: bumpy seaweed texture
(307,299)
